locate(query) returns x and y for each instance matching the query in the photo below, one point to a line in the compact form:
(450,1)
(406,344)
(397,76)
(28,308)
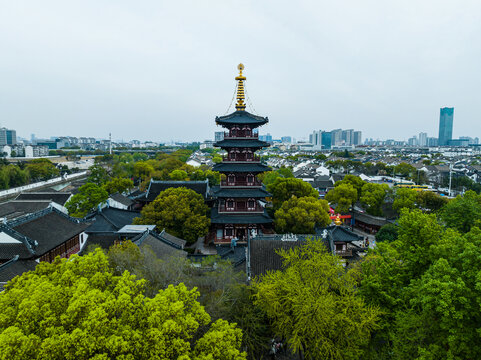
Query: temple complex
(239,209)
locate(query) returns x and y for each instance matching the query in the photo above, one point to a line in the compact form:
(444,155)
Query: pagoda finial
(240,105)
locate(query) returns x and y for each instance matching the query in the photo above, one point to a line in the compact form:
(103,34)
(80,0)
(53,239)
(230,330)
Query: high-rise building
(432,141)
(286,139)
(267,138)
(219,136)
(357,138)
(336,137)
(423,139)
(347,136)
(8,137)
(326,140)
(445,126)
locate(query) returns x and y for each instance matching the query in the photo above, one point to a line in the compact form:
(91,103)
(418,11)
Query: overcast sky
(162,70)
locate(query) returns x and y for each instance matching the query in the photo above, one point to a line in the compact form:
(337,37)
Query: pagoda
(239,209)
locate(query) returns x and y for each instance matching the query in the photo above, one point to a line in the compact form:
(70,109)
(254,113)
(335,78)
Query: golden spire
(240,105)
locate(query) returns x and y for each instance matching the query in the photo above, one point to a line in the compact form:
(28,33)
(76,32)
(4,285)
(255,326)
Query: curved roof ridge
(240,112)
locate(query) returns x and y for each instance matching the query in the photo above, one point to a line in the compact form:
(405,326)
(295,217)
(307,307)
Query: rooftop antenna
(110,143)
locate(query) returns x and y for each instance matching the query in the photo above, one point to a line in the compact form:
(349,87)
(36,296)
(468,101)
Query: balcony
(240,208)
(240,134)
(343,253)
(238,183)
(254,158)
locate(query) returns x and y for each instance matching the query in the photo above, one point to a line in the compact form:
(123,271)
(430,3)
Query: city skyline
(162,71)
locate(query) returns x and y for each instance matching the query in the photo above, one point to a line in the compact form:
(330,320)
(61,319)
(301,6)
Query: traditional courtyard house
(239,209)
(38,236)
(157,186)
(120,201)
(57,197)
(15,208)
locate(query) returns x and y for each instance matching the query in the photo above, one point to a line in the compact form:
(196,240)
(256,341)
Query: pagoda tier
(241,117)
(239,210)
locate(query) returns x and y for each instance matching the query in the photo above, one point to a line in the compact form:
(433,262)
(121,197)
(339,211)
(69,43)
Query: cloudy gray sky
(162,70)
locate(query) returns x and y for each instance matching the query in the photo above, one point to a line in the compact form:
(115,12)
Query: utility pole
(450,176)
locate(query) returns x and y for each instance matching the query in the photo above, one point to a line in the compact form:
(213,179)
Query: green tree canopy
(143,170)
(388,232)
(180,211)
(373,196)
(344,195)
(178,175)
(355,181)
(302,215)
(430,201)
(118,185)
(404,198)
(314,305)
(41,169)
(89,196)
(283,189)
(78,309)
(463,212)
(98,175)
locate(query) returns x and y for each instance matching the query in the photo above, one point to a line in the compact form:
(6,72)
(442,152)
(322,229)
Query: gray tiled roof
(57,197)
(241,117)
(156,187)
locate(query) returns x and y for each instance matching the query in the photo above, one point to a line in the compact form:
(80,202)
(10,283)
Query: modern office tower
(286,139)
(413,141)
(423,139)
(8,137)
(347,137)
(336,137)
(445,126)
(219,136)
(267,138)
(357,138)
(326,140)
(432,141)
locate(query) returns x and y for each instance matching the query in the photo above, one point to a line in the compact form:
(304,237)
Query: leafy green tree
(404,198)
(217,159)
(430,201)
(16,176)
(314,304)
(89,196)
(463,212)
(180,211)
(373,196)
(302,215)
(41,169)
(388,233)
(178,175)
(98,175)
(283,189)
(78,309)
(118,185)
(404,169)
(344,195)
(143,170)
(355,181)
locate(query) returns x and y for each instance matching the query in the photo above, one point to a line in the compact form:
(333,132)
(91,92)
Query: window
(251,204)
(231,179)
(229,231)
(230,204)
(250,179)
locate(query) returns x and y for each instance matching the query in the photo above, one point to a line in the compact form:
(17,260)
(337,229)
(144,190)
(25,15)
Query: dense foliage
(180,211)
(314,304)
(282,189)
(302,215)
(88,197)
(80,309)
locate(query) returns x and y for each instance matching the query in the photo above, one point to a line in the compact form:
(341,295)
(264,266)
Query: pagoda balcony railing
(241,135)
(238,183)
(343,253)
(255,158)
(223,209)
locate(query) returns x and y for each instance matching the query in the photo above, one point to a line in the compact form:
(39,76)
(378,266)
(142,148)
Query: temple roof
(216,218)
(239,193)
(241,118)
(241,167)
(251,143)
